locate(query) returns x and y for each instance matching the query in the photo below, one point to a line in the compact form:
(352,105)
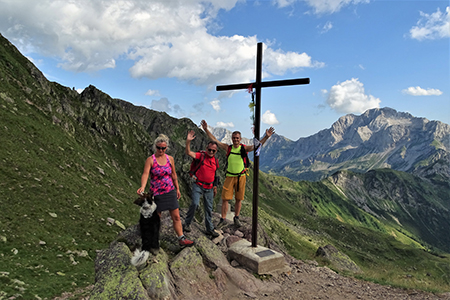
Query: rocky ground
(305,280)
(310,282)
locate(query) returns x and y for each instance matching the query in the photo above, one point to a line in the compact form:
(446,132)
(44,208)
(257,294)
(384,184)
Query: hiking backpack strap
(196,164)
(244,157)
(216,177)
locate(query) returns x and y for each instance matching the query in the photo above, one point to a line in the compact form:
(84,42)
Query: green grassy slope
(56,196)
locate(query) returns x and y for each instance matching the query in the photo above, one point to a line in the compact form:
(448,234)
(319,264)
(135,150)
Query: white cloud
(331,6)
(224,125)
(349,97)
(327,27)
(278,62)
(215,104)
(269,118)
(418,91)
(322,6)
(162,104)
(152,93)
(432,26)
(284,3)
(163,38)
(178,111)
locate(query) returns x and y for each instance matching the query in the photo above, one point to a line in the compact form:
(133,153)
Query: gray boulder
(337,259)
(115,277)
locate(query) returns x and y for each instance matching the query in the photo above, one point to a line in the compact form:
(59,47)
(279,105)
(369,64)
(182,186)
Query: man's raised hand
(191,135)
(270,131)
(204,125)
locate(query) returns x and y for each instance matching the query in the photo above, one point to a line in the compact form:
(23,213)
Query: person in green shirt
(235,177)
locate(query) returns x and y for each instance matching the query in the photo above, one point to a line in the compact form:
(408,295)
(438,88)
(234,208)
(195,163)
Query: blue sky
(169,55)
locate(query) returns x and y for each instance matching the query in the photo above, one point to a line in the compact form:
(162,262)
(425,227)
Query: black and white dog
(149,223)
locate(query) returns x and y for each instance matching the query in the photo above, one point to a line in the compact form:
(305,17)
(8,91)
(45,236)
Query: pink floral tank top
(161,177)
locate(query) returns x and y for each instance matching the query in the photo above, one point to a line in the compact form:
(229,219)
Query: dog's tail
(139,257)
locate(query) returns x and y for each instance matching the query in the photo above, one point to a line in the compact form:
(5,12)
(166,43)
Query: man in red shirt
(204,183)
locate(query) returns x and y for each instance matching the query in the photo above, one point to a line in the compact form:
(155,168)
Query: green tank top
(235,162)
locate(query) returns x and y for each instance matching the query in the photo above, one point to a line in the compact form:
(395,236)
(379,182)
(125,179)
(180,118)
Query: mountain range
(378,138)
(377,185)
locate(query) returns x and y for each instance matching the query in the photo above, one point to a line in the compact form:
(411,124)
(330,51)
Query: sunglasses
(212,150)
(161,148)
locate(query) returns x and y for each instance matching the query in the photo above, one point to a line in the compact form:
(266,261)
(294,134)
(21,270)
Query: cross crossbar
(263,84)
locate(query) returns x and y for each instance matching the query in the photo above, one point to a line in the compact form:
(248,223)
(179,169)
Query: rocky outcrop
(115,277)
(337,259)
(199,272)
(204,271)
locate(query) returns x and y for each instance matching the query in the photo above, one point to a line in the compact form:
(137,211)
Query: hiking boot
(187,227)
(221,223)
(212,233)
(237,223)
(184,242)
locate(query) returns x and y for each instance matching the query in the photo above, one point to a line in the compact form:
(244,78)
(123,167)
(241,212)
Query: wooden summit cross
(257,85)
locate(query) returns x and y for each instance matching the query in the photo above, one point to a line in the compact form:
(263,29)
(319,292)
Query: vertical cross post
(257,126)
(257,85)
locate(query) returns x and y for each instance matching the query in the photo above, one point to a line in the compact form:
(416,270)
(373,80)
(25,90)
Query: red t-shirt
(206,172)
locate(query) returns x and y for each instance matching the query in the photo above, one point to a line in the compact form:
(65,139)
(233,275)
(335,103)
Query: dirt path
(310,282)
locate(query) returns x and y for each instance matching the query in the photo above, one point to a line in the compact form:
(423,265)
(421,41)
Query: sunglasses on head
(161,148)
(212,150)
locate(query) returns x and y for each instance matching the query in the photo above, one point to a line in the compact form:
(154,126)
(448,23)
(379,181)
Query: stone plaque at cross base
(260,260)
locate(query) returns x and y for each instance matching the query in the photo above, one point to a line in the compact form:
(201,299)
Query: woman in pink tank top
(164,185)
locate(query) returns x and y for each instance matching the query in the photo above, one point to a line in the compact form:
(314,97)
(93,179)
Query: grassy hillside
(405,202)
(305,215)
(70,166)
(56,196)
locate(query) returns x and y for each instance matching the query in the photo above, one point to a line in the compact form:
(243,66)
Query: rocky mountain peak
(224,136)
(371,121)
(378,138)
